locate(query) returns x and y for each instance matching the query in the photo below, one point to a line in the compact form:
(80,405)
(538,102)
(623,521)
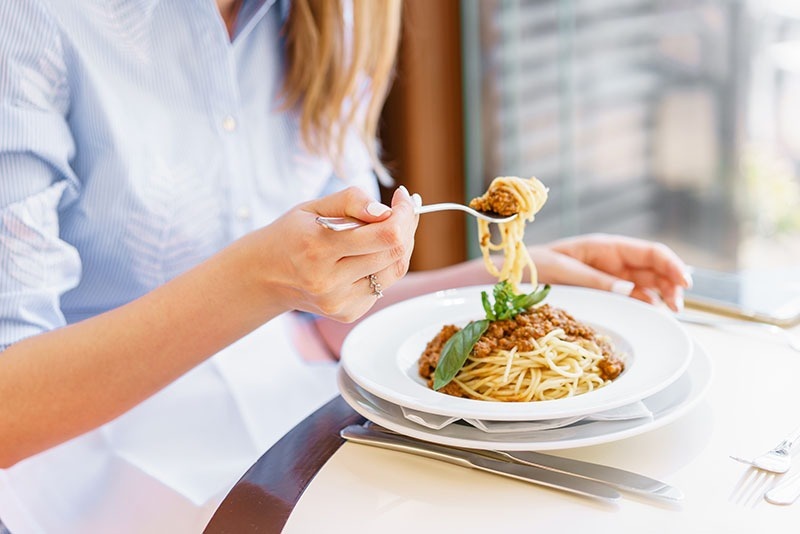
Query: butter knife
(473,460)
(612,476)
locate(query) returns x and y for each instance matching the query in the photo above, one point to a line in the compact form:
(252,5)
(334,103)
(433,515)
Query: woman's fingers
(645,270)
(642,255)
(562,268)
(380,271)
(617,254)
(327,272)
(396,236)
(656,257)
(350,202)
(405,206)
(392,229)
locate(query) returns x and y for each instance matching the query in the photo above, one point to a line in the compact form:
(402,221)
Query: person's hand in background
(643,269)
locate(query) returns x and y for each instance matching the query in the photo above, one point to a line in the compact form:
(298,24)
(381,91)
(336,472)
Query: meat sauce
(497,200)
(519,332)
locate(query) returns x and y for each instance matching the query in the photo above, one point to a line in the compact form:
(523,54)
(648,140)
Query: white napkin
(429,420)
(634,410)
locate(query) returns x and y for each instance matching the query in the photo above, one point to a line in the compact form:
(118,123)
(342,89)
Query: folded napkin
(634,410)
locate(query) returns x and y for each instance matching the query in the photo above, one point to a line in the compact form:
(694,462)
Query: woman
(161,168)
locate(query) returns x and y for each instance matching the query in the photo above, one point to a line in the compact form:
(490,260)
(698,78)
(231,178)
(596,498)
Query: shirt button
(243,213)
(229,124)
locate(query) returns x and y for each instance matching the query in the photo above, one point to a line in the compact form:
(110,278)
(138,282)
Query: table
(311,482)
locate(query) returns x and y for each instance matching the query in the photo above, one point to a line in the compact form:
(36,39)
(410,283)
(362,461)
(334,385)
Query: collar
(251,12)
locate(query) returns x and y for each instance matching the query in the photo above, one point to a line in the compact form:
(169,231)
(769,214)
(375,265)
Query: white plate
(666,406)
(380,354)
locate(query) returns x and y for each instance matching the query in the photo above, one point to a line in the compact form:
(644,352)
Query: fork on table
(776,460)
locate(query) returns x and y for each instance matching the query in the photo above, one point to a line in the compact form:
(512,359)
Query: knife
(473,460)
(612,476)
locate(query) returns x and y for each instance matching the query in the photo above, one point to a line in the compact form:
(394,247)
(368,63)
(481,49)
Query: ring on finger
(377,290)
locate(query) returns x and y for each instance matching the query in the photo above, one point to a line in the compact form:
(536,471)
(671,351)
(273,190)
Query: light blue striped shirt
(135,141)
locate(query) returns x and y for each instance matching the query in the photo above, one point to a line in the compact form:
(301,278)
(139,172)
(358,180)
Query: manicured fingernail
(377,209)
(652,296)
(687,277)
(622,287)
(417,199)
(404,190)
(679,299)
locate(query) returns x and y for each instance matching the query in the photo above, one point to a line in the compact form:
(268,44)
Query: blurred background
(672,120)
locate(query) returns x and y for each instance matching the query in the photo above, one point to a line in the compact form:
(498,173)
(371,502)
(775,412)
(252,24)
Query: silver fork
(777,459)
(348,223)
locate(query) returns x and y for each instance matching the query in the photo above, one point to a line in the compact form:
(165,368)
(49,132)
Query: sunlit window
(672,120)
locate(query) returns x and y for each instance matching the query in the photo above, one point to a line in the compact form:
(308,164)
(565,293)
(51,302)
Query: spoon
(786,492)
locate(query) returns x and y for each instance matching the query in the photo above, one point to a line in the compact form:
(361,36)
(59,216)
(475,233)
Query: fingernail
(687,277)
(377,209)
(404,190)
(417,200)
(679,299)
(652,296)
(622,287)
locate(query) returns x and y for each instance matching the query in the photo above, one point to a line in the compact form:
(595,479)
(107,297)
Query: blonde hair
(331,72)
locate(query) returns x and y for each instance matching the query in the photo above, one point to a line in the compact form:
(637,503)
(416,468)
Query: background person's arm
(648,270)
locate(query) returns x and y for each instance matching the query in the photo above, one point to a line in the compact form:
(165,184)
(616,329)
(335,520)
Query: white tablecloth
(752,403)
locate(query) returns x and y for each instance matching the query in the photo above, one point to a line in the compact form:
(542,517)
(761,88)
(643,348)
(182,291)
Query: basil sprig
(507,305)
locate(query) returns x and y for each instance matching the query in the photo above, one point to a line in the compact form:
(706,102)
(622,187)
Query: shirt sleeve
(36,180)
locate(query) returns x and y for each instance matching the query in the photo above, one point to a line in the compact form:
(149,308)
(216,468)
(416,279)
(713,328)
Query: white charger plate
(380,354)
(666,405)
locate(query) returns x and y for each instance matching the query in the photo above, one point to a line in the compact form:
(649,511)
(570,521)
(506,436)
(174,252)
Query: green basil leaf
(519,300)
(455,352)
(507,305)
(487,306)
(502,297)
(531,299)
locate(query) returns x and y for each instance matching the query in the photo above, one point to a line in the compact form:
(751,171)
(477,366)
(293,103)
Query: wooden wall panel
(422,127)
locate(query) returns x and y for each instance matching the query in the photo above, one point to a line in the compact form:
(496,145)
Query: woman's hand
(304,266)
(645,270)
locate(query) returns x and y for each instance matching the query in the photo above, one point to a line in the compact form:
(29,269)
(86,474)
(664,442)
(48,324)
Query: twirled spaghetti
(508,195)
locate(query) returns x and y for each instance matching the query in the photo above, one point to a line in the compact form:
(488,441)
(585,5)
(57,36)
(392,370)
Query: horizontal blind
(567,94)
